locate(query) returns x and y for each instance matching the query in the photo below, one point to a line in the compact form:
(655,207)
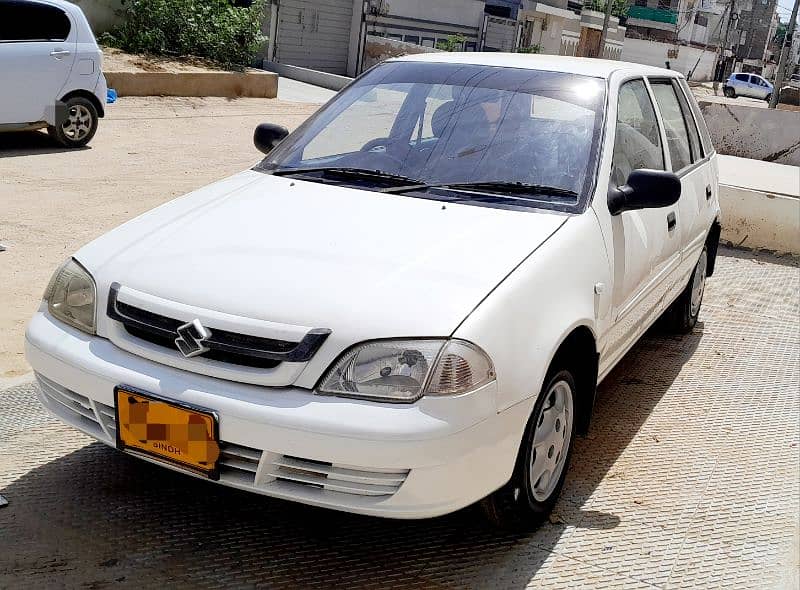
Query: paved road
(689,477)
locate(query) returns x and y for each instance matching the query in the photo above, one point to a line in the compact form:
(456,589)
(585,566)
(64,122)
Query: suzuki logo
(192,337)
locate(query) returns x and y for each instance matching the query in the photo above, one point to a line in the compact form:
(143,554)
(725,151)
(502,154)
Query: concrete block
(757,133)
(315,77)
(254,84)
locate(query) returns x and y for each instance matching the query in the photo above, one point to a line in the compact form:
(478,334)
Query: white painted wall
(653,53)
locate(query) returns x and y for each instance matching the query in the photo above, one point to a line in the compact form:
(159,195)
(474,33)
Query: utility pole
(721,50)
(773,102)
(604,34)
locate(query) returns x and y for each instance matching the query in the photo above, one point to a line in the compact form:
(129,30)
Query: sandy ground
(146,151)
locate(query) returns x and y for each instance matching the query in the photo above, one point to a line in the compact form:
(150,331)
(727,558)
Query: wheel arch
(712,244)
(101,111)
(577,353)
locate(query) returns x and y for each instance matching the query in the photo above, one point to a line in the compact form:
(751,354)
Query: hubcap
(699,283)
(78,123)
(551,440)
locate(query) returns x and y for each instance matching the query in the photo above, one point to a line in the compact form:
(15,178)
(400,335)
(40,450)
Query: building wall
(655,54)
(426,22)
(378,49)
(755,19)
(101,14)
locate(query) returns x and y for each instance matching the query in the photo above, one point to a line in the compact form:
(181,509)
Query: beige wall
(101,14)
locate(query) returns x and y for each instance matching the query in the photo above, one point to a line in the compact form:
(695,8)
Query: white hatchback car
(406,307)
(50,67)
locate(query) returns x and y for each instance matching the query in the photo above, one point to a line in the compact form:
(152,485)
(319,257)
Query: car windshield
(436,123)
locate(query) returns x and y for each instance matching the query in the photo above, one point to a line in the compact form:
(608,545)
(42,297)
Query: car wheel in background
(527,499)
(79,124)
(729,92)
(682,315)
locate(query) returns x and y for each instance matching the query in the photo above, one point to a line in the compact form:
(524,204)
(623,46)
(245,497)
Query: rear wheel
(527,499)
(79,124)
(682,315)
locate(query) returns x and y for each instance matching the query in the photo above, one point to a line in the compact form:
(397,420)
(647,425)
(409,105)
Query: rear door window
(674,124)
(24,21)
(694,134)
(638,141)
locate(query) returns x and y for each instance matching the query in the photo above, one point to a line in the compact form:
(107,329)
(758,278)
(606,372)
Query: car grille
(238,464)
(224,346)
(336,478)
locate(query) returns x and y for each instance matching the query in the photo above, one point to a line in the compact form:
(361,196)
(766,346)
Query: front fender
(524,320)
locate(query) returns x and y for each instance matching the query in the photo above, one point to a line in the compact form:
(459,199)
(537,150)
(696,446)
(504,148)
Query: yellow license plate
(171,432)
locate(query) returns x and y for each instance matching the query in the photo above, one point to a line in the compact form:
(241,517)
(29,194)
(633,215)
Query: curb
(252,84)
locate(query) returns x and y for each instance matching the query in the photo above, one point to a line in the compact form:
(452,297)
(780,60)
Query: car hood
(363,264)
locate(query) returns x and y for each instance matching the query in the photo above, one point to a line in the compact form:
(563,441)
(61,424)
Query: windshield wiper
(490,187)
(344,172)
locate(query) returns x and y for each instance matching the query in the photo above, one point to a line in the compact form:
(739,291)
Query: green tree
(452,43)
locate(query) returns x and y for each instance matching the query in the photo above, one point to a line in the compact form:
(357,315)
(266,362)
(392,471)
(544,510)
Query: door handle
(708,193)
(59,52)
(672,221)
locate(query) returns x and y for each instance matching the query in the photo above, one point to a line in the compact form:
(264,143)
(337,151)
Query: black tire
(768,97)
(79,124)
(514,506)
(681,316)
(729,92)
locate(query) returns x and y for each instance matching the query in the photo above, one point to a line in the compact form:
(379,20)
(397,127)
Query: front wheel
(729,92)
(683,313)
(768,97)
(527,499)
(79,124)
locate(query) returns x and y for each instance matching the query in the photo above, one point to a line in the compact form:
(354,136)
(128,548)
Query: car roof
(599,68)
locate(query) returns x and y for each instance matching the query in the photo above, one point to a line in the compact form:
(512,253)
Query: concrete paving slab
(296,91)
(689,478)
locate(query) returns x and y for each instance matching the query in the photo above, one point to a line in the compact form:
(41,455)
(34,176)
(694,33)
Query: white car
(51,71)
(406,307)
(751,85)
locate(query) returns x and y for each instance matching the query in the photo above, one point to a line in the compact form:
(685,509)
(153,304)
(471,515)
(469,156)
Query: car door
(690,165)
(645,243)
(37,52)
(742,84)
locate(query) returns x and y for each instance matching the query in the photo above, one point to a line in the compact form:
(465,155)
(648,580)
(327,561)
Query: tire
(729,92)
(681,317)
(521,504)
(768,97)
(79,125)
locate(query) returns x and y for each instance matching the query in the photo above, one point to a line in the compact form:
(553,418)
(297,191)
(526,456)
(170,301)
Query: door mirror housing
(268,135)
(645,189)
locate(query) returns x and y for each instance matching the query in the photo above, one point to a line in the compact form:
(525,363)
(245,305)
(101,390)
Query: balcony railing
(654,14)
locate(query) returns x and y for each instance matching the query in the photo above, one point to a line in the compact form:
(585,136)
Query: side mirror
(645,189)
(268,135)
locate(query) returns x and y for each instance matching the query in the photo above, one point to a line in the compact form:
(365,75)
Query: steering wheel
(379,149)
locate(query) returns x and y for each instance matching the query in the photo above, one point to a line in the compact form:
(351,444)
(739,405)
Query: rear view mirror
(645,189)
(268,135)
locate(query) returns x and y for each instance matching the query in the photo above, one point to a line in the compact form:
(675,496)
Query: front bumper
(443,453)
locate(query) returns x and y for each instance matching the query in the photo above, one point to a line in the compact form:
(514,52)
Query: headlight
(405,370)
(71,296)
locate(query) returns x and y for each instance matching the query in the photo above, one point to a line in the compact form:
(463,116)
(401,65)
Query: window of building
(664,4)
(674,125)
(411,39)
(31,21)
(638,141)
(701,19)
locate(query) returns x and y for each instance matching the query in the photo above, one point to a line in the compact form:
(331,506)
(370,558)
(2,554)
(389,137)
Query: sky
(785,10)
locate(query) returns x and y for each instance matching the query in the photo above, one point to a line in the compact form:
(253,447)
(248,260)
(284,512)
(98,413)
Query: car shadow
(28,143)
(98,518)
